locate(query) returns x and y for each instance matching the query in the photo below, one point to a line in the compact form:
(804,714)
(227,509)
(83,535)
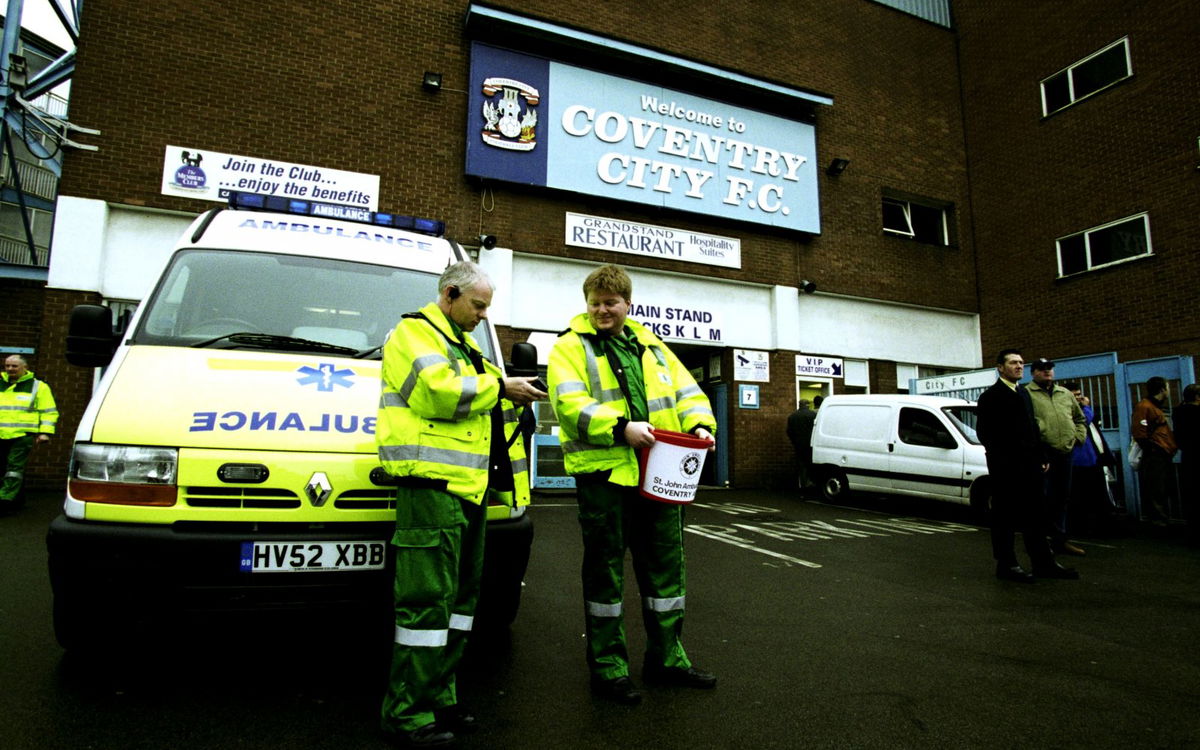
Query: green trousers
(14,453)
(614,519)
(438,546)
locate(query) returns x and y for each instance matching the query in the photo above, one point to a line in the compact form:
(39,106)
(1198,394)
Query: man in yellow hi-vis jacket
(28,417)
(611,382)
(446,430)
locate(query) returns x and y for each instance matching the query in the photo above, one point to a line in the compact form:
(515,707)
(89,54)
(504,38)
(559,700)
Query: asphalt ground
(874,626)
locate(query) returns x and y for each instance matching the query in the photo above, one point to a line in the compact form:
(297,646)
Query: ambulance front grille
(240,497)
(366,499)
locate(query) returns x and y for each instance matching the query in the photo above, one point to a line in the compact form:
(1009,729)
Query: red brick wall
(1126,150)
(337,84)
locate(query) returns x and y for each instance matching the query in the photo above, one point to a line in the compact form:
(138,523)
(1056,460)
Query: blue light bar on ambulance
(301,207)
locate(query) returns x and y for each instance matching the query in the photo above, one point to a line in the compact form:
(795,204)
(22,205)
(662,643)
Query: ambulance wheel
(834,486)
(69,623)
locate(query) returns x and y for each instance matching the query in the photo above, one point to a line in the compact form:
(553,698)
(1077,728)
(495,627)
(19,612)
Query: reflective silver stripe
(461,622)
(510,415)
(593,369)
(695,410)
(470,387)
(521,466)
(612,394)
(14,408)
(663,605)
(583,422)
(433,455)
(391,398)
(15,474)
(419,364)
(578,446)
(661,404)
(658,354)
(570,386)
(426,638)
(16,424)
(596,609)
(687,391)
(33,393)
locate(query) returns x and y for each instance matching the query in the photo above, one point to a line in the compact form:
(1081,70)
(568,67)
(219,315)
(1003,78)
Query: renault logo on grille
(318,489)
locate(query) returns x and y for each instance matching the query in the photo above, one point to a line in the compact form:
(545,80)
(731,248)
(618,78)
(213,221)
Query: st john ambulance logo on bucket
(671,467)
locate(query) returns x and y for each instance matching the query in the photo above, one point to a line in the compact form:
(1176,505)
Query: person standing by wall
(445,432)
(1062,426)
(1015,459)
(28,416)
(1187,437)
(799,432)
(612,382)
(1091,497)
(1153,434)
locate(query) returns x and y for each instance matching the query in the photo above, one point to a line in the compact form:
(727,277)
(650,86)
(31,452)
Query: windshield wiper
(275,341)
(368,352)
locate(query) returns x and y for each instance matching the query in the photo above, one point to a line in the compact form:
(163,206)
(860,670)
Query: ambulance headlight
(126,474)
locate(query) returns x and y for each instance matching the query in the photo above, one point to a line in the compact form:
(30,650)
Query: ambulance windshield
(230,299)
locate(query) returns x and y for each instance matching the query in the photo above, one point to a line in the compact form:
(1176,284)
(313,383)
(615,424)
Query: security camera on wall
(807,286)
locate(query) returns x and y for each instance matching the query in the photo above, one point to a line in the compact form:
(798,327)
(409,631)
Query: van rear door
(926,455)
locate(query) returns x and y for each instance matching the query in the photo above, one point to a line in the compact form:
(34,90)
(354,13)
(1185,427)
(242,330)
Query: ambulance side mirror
(90,337)
(524,360)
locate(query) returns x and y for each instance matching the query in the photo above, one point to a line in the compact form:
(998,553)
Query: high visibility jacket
(435,413)
(26,406)
(587,397)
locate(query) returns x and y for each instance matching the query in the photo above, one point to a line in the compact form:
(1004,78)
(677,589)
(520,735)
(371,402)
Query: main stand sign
(541,122)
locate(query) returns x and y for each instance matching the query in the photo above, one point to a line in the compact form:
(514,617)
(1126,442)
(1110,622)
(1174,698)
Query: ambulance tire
(69,623)
(834,486)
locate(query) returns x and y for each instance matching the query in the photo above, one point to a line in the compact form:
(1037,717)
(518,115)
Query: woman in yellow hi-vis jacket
(446,427)
(611,382)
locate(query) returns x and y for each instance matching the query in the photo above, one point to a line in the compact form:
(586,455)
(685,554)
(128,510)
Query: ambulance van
(227,459)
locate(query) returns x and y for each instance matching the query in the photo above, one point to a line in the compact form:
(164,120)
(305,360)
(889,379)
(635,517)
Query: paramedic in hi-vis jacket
(611,382)
(28,416)
(446,427)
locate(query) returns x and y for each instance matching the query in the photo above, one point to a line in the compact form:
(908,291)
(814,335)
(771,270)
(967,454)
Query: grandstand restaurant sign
(652,241)
(536,121)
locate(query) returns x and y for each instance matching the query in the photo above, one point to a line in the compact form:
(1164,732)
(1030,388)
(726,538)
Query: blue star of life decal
(325,377)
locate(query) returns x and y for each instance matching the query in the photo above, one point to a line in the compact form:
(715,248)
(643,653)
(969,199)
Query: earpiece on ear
(453,292)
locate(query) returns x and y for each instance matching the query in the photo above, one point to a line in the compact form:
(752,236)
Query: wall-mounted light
(431,81)
(836,167)
(487,241)
(808,287)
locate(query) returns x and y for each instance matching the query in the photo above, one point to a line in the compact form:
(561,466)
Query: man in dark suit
(1009,433)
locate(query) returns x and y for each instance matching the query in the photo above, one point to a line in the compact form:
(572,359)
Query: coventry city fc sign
(541,122)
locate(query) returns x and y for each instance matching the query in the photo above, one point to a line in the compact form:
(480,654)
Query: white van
(895,444)
(227,458)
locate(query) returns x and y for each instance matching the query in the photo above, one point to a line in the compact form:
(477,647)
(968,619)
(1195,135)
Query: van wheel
(834,487)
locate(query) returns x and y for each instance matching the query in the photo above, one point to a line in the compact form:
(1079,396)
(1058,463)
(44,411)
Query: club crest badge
(510,122)
(190,176)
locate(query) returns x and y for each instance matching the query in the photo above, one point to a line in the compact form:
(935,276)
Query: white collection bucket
(671,467)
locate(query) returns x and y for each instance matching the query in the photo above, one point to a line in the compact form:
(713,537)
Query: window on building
(1090,75)
(923,221)
(13,245)
(1104,245)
